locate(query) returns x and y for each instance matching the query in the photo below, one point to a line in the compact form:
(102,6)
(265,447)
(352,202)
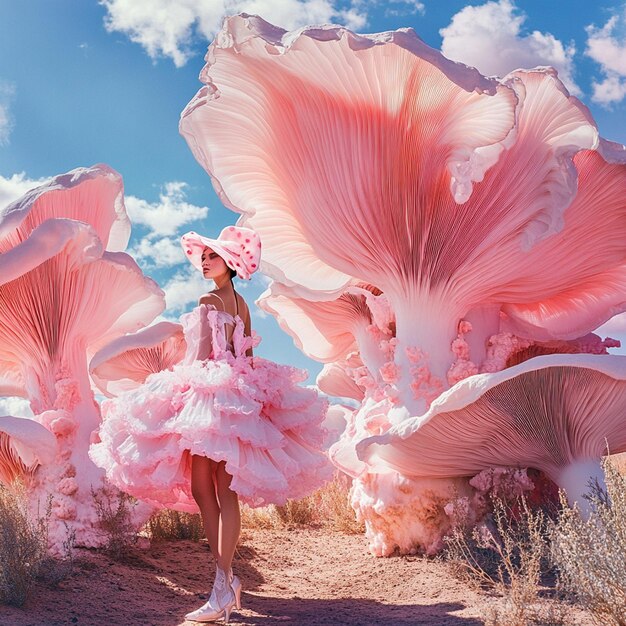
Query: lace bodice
(218,321)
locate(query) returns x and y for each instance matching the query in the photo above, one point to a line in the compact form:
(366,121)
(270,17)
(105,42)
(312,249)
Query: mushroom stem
(369,350)
(485,322)
(425,329)
(62,384)
(578,480)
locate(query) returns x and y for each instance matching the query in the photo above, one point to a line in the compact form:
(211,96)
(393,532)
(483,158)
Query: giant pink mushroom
(374,158)
(126,362)
(69,301)
(557,413)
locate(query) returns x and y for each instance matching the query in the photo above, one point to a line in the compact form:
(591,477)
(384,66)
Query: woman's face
(213,265)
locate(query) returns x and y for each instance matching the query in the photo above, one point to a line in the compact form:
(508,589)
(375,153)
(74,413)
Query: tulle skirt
(257,419)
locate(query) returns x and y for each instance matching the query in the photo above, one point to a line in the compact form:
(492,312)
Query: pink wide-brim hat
(239,247)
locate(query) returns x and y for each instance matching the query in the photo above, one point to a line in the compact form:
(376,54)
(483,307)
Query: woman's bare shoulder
(212,299)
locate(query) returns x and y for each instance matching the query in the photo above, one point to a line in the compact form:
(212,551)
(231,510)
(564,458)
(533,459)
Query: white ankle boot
(235,585)
(222,601)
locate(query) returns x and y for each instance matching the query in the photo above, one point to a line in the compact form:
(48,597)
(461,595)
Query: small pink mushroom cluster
(434,236)
(66,289)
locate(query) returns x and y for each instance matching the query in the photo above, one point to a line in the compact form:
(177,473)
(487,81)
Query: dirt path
(299,577)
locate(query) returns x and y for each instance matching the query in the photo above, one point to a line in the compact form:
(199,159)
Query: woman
(221,426)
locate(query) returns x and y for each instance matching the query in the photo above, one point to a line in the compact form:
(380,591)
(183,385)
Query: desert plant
(328,507)
(591,553)
(115,520)
(23,547)
(169,525)
(297,512)
(509,555)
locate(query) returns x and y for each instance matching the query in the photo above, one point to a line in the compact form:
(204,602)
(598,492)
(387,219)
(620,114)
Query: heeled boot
(220,604)
(235,585)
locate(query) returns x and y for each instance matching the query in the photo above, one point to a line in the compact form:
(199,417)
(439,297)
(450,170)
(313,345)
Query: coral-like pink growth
(500,348)
(389,372)
(24,446)
(337,418)
(462,367)
(405,514)
(503,482)
(126,362)
(60,422)
(505,350)
(555,413)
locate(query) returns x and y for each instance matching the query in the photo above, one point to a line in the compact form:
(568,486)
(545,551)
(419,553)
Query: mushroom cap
(461,185)
(326,141)
(595,288)
(127,361)
(24,445)
(545,413)
(61,304)
(324,329)
(94,195)
(77,241)
(334,381)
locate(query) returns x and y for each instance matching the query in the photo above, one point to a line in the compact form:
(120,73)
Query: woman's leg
(203,491)
(230,517)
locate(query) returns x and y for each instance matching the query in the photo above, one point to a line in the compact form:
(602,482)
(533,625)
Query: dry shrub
(329,507)
(115,521)
(297,513)
(508,555)
(333,505)
(168,525)
(591,554)
(619,462)
(24,548)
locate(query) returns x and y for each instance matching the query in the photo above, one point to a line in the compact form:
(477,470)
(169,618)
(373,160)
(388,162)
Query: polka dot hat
(239,247)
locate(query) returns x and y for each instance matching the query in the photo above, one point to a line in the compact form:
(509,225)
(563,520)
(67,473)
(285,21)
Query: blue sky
(83,82)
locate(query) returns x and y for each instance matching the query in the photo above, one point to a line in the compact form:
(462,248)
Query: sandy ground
(288,577)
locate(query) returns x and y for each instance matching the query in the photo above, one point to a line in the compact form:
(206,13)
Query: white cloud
(184,289)
(607,46)
(16,186)
(404,7)
(157,253)
(490,38)
(169,28)
(7,92)
(165,217)
(18,407)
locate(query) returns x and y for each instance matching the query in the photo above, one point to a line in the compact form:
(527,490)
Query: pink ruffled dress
(256,418)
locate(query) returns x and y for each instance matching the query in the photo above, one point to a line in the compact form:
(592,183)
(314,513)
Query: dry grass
(329,507)
(508,555)
(168,525)
(115,521)
(591,554)
(24,548)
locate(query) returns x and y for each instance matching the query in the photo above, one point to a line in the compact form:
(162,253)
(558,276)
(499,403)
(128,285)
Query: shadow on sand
(346,612)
